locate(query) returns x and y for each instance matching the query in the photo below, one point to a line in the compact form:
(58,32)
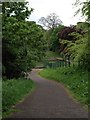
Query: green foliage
(23,41)
(84,8)
(83,25)
(77,48)
(54,41)
(19,10)
(75,80)
(79,51)
(85,52)
(76,45)
(13,91)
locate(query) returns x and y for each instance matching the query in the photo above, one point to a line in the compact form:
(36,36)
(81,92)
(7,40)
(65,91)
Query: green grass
(74,79)
(14,91)
(50,54)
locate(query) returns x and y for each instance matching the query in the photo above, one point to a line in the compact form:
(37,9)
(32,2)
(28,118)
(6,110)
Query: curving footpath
(49,100)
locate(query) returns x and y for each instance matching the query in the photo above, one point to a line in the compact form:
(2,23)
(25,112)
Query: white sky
(63,8)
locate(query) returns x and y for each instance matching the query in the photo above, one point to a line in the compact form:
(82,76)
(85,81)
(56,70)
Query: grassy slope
(75,80)
(13,91)
(48,54)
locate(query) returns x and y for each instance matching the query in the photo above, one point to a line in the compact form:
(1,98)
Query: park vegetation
(75,80)
(72,42)
(22,45)
(25,43)
(14,91)
(22,40)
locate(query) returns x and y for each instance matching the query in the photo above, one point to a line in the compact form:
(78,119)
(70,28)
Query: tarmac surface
(49,100)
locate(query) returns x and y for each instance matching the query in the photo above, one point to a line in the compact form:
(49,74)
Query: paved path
(49,100)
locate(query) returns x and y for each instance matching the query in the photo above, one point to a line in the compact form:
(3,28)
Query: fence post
(60,63)
(68,60)
(65,61)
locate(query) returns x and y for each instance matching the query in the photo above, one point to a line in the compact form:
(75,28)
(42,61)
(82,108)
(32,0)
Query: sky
(63,8)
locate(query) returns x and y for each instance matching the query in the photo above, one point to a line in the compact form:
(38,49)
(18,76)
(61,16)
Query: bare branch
(51,21)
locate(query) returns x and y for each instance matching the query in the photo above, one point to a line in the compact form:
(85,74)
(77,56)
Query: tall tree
(54,40)
(22,41)
(51,21)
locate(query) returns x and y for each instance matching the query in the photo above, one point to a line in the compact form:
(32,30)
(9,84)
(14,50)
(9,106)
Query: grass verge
(74,79)
(14,91)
